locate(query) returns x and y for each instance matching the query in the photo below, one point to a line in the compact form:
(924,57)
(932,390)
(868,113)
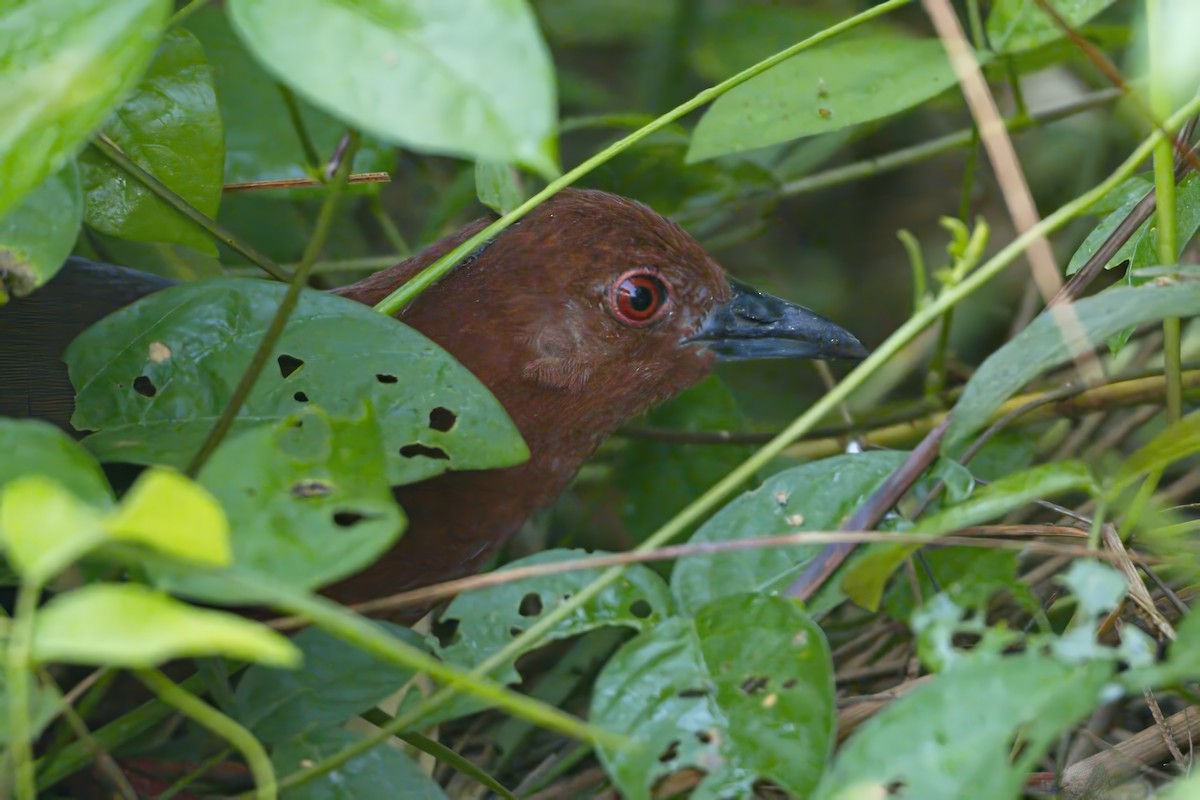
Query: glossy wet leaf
(153,378)
(816,496)
(867,577)
(66,64)
(1041,346)
(131,626)
(955,735)
(1017,25)
(37,235)
(169,124)
(498,186)
(412,73)
(307,498)
(45,528)
(335,683)
(177,517)
(741,692)
(491,618)
(822,90)
(261,143)
(381,772)
(1177,442)
(34,447)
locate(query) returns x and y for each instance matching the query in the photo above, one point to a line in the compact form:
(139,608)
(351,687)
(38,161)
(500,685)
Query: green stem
(227,728)
(404,294)
(738,477)
(311,156)
(109,149)
(291,298)
(975,18)
(943,144)
(393,234)
(1164,196)
(190,778)
(182,14)
(20,727)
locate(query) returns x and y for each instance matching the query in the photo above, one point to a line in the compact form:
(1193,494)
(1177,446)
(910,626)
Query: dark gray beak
(757,325)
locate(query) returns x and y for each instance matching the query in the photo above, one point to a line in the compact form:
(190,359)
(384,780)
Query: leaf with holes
(412,73)
(37,236)
(865,579)
(33,447)
(743,693)
(812,497)
(65,64)
(1041,346)
(336,683)
(169,125)
(308,499)
(975,731)
(132,626)
(379,772)
(261,143)
(1017,25)
(153,378)
(822,90)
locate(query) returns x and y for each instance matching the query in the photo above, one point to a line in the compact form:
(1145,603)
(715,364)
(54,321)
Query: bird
(582,315)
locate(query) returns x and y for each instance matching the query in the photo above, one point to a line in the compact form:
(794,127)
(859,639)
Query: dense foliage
(314,141)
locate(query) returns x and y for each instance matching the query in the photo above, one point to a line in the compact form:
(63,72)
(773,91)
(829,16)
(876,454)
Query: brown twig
(303,183)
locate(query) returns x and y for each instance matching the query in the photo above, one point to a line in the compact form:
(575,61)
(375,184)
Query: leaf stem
(737,478)
(109,149)
(227,728)
(182,14)
(311,157)
(404,294)
(20,727)
(291,298)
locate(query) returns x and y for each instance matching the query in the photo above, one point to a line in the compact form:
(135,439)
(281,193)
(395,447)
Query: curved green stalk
(403,295)
(20,728)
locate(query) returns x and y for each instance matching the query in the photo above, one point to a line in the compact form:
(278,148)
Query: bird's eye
(637,297)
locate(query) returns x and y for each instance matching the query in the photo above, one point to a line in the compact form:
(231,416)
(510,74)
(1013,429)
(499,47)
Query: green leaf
(337,682)
(37,236)
(1017,25)
(969,576)
(308,500)
(46,528)
(816,496)
(455,77)
(261,143)
(737,36)
(66,64)
(380,772)
(168,512)
(491,618)
(132,626)
(1041,346)
(153,378)
(742,692)
(1177,442)
(822,90)
(498,186)
(44,702)
(659,478)
(170,126)
(34,447)
(954,736)
(867,577)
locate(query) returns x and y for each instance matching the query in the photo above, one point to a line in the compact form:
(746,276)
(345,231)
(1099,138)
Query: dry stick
(870,513)
(302,183)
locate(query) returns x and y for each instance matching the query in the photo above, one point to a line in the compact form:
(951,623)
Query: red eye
(637,297)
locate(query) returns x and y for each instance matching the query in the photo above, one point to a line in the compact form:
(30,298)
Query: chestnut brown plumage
(586,313)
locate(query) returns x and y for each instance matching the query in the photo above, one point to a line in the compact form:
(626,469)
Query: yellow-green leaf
(174,515)
(44,527)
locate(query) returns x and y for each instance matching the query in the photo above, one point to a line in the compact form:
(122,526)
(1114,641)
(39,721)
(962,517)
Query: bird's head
(597,305)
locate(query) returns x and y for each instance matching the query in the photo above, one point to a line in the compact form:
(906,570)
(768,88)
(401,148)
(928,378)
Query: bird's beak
(757,325)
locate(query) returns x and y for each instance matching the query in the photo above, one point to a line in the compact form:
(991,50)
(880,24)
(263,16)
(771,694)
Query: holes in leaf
(894,788)
(671,753)
(515,631)
(442,419)
(755,684)
(531,605)
(312,489)
(789,683)
(348,519)
(690,693)
(417,449)
(383,377)
(288,364)
(641,609)
(144,386)
(300,397)
(446,631)
(704,737)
